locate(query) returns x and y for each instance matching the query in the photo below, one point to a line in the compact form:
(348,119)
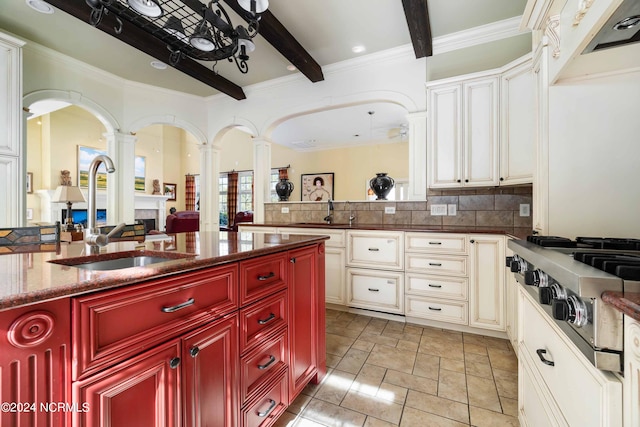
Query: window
(274,178)
(245,191)
(223,187)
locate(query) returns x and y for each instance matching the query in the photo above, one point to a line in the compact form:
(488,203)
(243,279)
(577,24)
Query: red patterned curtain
(190,193)
(232,196)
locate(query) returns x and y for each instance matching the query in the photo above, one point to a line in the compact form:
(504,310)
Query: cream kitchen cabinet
(463,138)
(631,391)
(511,313)
(558,386)
(486,284)
(382,250)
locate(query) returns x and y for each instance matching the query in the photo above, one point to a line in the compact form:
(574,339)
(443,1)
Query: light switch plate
(389,209)
(438,210)
(284,210)
(452,210)
(525,209)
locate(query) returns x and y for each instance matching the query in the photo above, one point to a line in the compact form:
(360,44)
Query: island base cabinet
(267,406)
(142,391)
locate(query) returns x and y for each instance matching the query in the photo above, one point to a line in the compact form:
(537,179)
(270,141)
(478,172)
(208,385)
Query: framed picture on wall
(139,173)
(316,187)
(86,156)
(171,191)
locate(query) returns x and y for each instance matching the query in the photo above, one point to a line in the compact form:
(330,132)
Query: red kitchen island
(224,329)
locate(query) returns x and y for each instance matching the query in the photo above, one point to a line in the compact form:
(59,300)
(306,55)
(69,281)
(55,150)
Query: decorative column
(261,177)
(209,193)
(417,155)
(121,184)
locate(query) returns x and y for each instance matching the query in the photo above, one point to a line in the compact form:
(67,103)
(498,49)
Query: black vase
(381,184)
(284,188)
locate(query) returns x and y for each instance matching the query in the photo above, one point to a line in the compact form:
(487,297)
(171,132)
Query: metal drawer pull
(269,363)
(434,286)
(435,264)
(374,290)
(267,320)
(174,363)
(435,243)
(435,308)
(268,276)
(175,308)
(374,249)
(542,359)
(272,404)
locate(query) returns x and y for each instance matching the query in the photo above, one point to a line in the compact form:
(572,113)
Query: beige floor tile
(331,415)
(498,343)
(452,385)
(342,331)
(484,418)
(311,389)
(352,361)
(412,382)
(363,345)
(427,366)
(433,333)
(360,322)
(338,345)
(454,365)
(392,358)
(503,359)
(333,360)
(476,358)
(442,348)
(331,314)
(506,383)
(482,393)
(402,336)
(439,406)
(415,418)
(337,322)
(475,348)
(374,422)
(407,345)
(509,406)
(382,409)
(474,339)
(298,405)
(413,329)
(335,387)
(369,379)
(394,326)
(378,339)
(479,369)
(376,326)
(392,393)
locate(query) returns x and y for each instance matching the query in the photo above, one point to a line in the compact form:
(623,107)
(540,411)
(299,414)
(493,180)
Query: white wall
(594,157)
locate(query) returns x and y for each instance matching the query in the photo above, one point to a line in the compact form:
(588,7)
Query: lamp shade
(67,193)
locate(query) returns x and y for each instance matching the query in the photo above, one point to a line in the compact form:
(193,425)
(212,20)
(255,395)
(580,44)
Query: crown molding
(478,35)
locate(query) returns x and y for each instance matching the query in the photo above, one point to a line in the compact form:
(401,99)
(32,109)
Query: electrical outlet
(452,210)
(389,209)
(437,210)
(284,210)
(525,209)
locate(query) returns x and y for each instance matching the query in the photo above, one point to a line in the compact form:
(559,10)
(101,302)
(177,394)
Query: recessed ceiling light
(358,49)
(159,65)
(291,67)
(40,6)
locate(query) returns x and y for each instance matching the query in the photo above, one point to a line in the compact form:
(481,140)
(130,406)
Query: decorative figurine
(156,187)
(65,177)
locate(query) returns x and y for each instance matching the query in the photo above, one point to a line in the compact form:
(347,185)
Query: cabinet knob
(174,363)
(458,180)
(472,241)
(292,260)
(501,179)
(466,180)
(194,351)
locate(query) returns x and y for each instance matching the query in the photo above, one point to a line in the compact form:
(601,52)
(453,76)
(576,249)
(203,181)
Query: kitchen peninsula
(230,328)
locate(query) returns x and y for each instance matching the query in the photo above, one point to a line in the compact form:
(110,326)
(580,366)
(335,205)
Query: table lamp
(68,194)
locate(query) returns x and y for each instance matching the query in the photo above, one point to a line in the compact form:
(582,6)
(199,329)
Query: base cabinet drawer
(533,407)
(375,289)
(375,249)
(436,286)
(261,364)
(436,243)
(261,319)
(449,265)
(266,407)
(434,309)
(262,276)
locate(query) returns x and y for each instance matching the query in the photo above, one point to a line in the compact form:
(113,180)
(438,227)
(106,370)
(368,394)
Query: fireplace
(149,224)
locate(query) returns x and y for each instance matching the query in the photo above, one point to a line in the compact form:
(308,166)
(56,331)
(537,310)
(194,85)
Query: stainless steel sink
(120,260)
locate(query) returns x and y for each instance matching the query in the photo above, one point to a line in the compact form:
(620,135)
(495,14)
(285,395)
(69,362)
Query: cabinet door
(304,325)
(541,161)
(511,325)
(142,391)
(481,132)
(211,374)
(444,142)
(11,95)
(486,293)
(517,125)
(336,291)
(35,360)
(631,391)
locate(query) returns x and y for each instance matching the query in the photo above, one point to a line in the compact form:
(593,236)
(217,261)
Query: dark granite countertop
(398,227)
(626,302)
(29,278)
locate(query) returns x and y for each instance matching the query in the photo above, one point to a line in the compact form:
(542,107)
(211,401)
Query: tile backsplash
(491,208)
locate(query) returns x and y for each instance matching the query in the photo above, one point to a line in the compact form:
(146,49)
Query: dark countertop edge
(159,270)
(626,302)
(392,227)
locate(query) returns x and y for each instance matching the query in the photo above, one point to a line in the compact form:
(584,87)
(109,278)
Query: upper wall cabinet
(11,91)
(480,128)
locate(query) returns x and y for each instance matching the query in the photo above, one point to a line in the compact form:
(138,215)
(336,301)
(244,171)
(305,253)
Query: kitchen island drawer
(436,286)
(448,265)
(434,309)
(262,276)
(436,243)
(118,323)
(375,290)
(262,318)
(266,407)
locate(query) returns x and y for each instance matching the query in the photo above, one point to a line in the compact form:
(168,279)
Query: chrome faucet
(352,217)
(329,217)
(92,236)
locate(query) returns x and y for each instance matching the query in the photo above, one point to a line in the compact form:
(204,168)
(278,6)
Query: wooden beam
(280,38)
(145,42)
(417,14)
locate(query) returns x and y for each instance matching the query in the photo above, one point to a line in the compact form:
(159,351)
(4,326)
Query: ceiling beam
(280,38)
(417,14)
(145,42)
